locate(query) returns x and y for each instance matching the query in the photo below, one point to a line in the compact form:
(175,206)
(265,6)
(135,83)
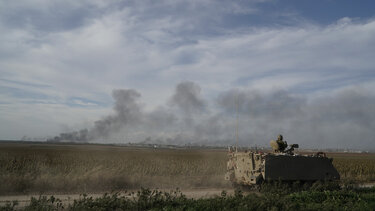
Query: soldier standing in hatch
(282,144)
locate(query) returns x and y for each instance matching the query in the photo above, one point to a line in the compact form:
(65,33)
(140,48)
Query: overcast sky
(61,60)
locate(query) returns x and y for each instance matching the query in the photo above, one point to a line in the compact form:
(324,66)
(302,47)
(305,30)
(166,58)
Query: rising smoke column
(342,119)
(176,120)
(127,112)
(188,99)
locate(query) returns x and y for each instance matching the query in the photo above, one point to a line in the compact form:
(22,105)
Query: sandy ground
(67,199)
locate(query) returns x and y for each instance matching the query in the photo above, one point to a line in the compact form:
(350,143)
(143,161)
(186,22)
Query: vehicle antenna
(237,121)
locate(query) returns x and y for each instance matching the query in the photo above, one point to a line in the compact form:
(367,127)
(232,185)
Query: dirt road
(67,199)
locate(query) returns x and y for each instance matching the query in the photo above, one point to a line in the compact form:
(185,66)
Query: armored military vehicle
(251,168)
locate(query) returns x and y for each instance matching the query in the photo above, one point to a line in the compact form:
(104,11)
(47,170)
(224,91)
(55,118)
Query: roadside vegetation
(276,197)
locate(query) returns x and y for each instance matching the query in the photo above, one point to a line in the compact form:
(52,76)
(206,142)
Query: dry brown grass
(43,168)
(355,166)
(52,168)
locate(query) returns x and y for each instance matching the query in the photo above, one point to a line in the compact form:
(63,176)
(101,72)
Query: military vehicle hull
(251,168)
(303,168)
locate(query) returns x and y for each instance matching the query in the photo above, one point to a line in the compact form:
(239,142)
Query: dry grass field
(358,167)
(51,168)
(63,168)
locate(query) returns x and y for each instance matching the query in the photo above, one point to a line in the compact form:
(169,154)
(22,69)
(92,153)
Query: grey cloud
(190,17)
(115,41)
(52,16)
(139,42)
(48,16)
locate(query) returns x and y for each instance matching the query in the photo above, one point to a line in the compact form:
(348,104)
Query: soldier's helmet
(280,137)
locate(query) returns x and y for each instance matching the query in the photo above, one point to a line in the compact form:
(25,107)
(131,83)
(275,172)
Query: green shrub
(146,199)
